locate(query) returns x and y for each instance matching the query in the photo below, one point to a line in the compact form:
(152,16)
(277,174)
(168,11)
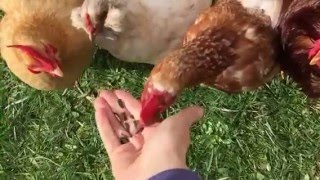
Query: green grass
(272,133)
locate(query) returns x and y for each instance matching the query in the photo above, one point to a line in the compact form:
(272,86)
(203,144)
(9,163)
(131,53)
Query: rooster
(40,45)
(230,47)
(138,30)
(300,34)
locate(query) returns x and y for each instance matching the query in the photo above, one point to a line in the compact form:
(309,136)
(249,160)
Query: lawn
(272,133)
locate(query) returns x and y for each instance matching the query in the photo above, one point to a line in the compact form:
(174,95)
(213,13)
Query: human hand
(157,148)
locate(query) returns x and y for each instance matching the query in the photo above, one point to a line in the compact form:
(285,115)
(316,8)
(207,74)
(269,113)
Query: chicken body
(300,34)
(145,30)
(229,47)
(37,36)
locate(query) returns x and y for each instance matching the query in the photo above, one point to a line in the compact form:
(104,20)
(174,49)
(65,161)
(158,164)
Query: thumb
(187,116)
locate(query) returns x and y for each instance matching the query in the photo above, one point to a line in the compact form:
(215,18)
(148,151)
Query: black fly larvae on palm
(124,140)
(121,103)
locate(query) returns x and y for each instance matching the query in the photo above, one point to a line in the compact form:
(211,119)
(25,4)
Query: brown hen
(40,45)
(300,34)
(229,47)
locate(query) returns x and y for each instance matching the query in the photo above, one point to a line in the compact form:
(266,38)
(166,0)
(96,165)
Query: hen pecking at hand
(300,34)
(230,47)
(40,45)
(138,30)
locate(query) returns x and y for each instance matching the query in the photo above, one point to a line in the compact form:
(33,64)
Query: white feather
(271,8)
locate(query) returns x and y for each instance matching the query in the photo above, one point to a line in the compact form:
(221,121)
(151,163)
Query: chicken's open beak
(315,59)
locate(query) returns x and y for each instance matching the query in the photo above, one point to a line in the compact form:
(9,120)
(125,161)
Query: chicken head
(90,16)
(41,47)
(154,101)
(314,54)
(45,60)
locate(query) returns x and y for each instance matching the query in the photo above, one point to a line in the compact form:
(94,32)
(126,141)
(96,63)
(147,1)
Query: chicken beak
(57,72)
(90,36)
(315,59)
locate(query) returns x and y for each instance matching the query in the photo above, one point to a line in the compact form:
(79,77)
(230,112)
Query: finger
(187,117)
(106,130)
(113,101)
(108,136)
(132,104)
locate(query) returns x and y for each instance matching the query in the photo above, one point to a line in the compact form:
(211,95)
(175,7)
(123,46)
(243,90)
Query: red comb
(50,49)
(314,50)
(30,51)
(89,24)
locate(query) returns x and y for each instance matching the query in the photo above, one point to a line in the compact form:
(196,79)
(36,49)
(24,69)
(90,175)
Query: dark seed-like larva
(136,123)
(121,103)
(124,116)
(126,126)
(133,126)
(128,122)
(124,140)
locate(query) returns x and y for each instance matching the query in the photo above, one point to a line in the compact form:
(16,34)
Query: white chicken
(272,8)
(138,30)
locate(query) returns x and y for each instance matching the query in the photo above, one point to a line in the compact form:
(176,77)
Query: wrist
(159,165)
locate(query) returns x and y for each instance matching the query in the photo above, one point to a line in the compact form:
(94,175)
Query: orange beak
(315,59)
(57,72)
(89,26)
(90,36)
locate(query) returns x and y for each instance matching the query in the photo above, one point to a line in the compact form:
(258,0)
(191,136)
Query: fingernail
(100,91)
(99,103)
(199,110)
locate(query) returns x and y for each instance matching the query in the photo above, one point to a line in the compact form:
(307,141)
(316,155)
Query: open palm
(157,148)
